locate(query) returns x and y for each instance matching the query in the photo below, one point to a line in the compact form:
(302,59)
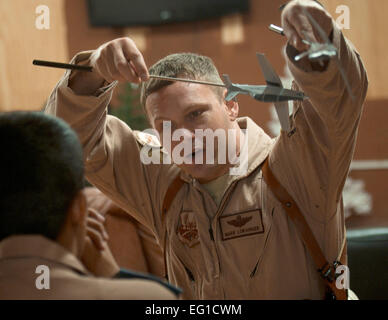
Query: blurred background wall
(231,41)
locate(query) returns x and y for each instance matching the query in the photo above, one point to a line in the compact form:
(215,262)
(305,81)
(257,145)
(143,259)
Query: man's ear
(233,109)
(78,209)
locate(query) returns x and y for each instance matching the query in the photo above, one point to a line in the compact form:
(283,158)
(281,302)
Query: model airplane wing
(269,73)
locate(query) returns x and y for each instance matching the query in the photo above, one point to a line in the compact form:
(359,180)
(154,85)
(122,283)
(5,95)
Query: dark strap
(326,269)
(170,195)
(130,274)
(168,199)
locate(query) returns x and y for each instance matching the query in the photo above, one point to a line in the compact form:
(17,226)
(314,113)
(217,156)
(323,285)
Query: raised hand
(120,60)
(297,27)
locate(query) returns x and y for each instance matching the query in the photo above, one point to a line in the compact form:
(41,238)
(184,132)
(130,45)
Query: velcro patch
(146,139)
(242,224)
(187,230)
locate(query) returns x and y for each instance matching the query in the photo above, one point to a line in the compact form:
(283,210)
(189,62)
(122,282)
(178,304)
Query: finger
(132,54)
(94,213)
(97,226)
(125,68)
(293,36)
(104,71)
(98,62)
(133,70)
(96,238)
(131,74)
(110,61)
(304,28)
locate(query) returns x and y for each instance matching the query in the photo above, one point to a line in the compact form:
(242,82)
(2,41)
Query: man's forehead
(178,95)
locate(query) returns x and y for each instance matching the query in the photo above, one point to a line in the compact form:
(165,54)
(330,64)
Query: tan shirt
(68,279)
(216,188)
(245,248)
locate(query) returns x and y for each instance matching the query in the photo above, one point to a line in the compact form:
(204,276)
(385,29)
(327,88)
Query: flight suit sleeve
(313,160)
(111,151)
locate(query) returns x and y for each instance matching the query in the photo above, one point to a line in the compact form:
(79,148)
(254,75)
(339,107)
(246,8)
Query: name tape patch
(242,224)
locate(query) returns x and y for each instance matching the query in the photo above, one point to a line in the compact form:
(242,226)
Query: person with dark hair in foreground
(51,245)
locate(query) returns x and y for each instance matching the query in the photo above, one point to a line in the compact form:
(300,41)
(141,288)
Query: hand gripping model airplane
(319,52)
(272,92)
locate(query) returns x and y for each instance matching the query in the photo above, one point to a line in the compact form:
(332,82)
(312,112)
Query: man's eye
(196,113)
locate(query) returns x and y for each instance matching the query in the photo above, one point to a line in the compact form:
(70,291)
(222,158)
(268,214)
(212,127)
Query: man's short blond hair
(181,65)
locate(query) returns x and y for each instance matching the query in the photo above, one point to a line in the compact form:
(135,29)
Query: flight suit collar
(37,246)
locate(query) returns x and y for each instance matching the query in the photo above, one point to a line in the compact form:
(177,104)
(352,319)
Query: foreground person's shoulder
(131,289)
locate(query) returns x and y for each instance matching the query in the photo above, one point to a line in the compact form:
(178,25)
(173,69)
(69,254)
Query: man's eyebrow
(187,109)
(192,106)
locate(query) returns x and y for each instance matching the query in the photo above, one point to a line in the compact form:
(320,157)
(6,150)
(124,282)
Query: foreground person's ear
(78,209)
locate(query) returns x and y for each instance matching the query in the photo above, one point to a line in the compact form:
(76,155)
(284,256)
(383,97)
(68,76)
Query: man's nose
(181,132)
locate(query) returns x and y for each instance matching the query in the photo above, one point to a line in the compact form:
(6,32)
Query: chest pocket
(245,226)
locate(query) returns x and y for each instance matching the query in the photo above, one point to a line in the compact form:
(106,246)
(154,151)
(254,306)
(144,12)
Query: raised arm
(111,150)
(313,161)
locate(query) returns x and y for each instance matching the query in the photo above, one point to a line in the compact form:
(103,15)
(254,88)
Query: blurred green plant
(129,108)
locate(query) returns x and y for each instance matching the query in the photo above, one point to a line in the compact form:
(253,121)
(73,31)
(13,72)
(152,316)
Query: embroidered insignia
(187,230)
(241,224)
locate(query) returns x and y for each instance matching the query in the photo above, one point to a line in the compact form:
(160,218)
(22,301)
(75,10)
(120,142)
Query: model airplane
(272,92)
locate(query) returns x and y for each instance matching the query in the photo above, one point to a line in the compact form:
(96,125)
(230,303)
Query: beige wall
(368,31)
(22,85)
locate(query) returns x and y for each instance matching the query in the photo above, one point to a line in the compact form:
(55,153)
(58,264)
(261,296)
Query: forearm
(85,83)
(85,113)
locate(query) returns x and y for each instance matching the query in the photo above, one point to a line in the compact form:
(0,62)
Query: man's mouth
(191,156)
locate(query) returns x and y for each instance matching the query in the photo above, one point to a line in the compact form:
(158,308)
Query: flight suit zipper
(213,231)
(259,260)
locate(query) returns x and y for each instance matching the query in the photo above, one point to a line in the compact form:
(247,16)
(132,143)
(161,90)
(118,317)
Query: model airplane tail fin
(227,81)
(232,91)
(269,73)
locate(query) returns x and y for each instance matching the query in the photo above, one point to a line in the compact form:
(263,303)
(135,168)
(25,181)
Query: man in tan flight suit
(225,236)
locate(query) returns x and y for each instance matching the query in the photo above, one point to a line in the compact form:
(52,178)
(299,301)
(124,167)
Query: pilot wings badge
(239,222)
